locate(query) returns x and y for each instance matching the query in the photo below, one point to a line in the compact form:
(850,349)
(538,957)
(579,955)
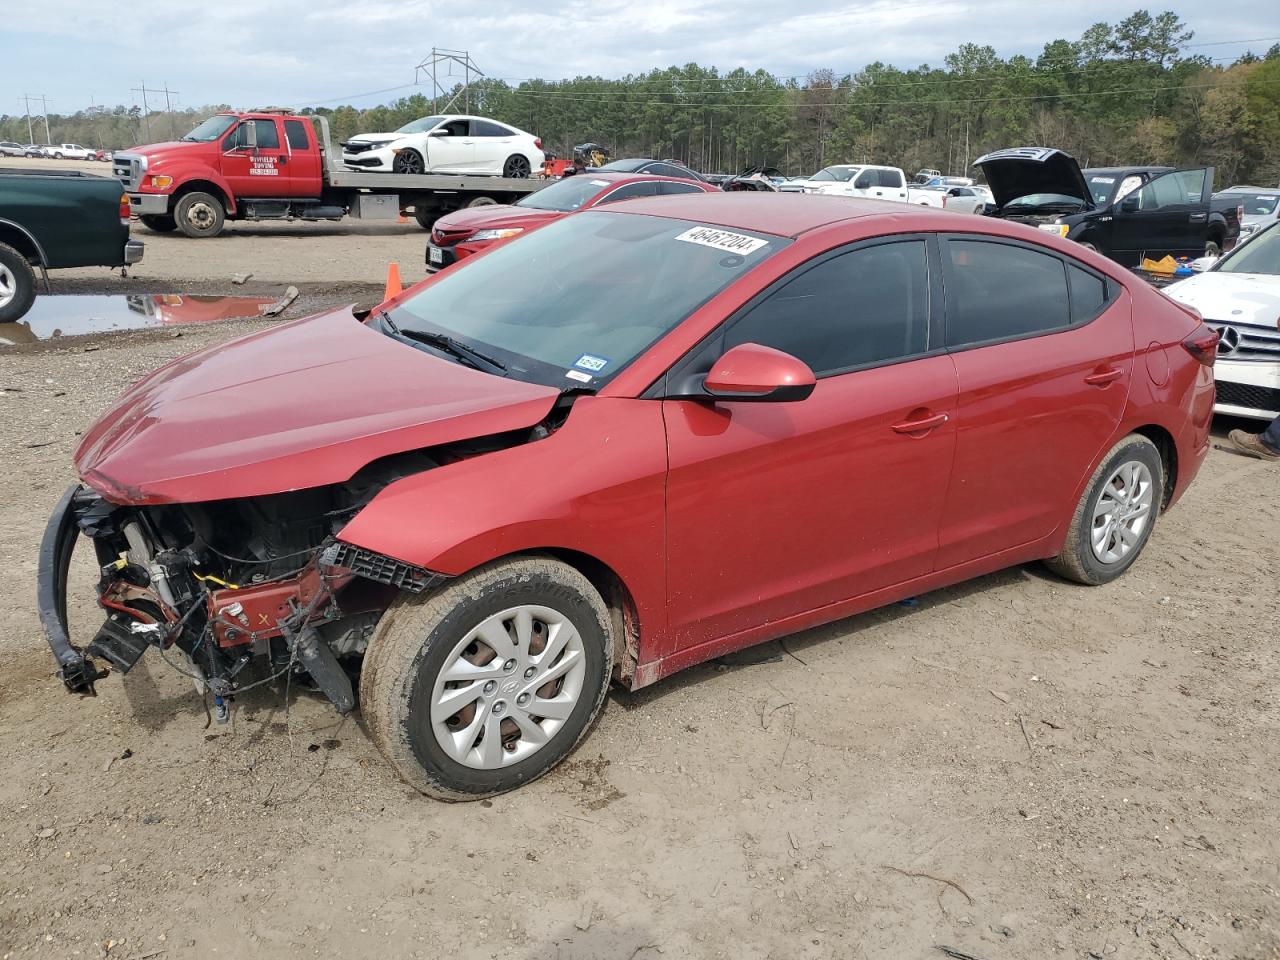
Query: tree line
(1138,91)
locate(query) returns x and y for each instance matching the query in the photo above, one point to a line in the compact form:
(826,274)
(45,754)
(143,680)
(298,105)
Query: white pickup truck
(69,151)
(862,180)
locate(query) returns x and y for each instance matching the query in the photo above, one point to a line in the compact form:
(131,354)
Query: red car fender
(596,486)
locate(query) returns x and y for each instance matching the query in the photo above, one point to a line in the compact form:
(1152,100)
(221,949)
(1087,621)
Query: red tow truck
(276,165)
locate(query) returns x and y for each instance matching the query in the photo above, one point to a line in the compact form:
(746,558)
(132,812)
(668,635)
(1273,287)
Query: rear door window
(1000,291)
(295,132)
(669,187)
(628,191)
(891,178)
(854,309)
(487,128)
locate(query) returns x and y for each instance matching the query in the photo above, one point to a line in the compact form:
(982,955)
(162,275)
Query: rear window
(998,291)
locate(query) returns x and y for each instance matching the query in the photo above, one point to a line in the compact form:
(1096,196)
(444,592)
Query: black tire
(482,202)
(408,161)
(159,222)
(414,642)
(517,167)
(1212,248)
(426,217)
(17,285)
(200,215)
(57,156)
(1077,561)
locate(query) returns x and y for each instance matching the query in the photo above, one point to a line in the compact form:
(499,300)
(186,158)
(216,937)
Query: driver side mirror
(440,132)
(753,372)
(1129,204)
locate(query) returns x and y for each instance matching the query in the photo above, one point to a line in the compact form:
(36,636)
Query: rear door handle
(921,425)
(1103,377)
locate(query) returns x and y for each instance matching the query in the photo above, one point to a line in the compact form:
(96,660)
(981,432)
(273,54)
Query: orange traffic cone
(393,282)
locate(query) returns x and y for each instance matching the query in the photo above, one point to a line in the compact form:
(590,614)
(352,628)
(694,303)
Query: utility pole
(31,137)
(146,109)
(439,56)
(44,108)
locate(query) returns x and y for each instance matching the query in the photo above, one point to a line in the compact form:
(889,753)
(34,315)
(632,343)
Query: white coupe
(447,144)
(1239,295)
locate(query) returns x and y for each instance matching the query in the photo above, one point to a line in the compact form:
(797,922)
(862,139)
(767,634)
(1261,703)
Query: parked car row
(52,151)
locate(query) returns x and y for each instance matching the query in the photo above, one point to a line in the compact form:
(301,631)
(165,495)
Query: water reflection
(69,316)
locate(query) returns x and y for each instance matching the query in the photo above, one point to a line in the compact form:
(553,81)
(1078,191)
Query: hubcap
(1122,512)
(8,285)
(200,216)
(508,687)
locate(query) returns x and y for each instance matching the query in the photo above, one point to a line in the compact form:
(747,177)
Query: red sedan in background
(464,232)
(644,436)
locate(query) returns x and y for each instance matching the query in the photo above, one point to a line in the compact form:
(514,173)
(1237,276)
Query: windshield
(572,303)
(212,128)
(1255,205)
(835,173)
(566,196)
(1044,200)
(1259,255)
(420,125)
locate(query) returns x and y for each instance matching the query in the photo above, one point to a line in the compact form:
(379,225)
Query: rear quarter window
(295,132)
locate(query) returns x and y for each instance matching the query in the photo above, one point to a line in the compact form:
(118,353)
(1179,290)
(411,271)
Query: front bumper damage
(178,597)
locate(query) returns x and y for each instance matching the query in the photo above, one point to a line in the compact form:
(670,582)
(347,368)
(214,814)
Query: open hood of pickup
(300,405)
(1022,171)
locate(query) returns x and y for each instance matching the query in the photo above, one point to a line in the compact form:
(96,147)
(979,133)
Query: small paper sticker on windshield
(588,362)
(724,240)
(599,183)
(578,375)
(1102,179)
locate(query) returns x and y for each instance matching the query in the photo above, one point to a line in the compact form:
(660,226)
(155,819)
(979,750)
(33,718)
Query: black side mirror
(1129,204)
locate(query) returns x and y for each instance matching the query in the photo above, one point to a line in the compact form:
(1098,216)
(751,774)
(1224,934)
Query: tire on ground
(23,284)
(159,222)
(417,634)
(200,215)
(1077,560)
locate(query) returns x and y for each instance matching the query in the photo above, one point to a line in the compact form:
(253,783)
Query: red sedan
(639,438)
(464,232)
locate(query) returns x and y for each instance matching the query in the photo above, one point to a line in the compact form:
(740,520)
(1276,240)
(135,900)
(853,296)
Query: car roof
(1120,170)
(1265,191)
(782,214)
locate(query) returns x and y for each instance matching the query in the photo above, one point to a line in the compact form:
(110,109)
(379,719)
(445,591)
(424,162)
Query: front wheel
(1115,517)
(516,167)
(1212,249)
(408,161)
(159,222)
(200,215)
(17,285)
(489,683)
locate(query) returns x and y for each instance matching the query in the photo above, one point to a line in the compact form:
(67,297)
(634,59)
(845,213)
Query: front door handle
(921,425)
(1103,377)
(1199,217)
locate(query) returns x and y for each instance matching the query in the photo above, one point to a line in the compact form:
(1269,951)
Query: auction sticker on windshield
(594,364)
(725,240)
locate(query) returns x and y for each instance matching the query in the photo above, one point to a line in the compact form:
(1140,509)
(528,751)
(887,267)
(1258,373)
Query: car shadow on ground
(796,644)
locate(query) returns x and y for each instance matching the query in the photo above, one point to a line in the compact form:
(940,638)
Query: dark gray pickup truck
(55,219)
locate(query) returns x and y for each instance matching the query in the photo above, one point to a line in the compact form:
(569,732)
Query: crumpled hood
(376,137)
(300,405)
(1021,171)
(1231,297)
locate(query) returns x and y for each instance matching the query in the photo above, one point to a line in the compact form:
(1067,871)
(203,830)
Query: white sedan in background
(447,144)
(1239,296)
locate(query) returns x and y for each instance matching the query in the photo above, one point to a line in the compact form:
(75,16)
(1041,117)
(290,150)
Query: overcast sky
(294,52)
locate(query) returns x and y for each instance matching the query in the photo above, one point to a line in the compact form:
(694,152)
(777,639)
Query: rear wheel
(516,167)
(482,202)
(1115,517)
(489,683)
(1212,249)
(200,215)
(408,161)
(159,222)
(426,216)
(17,285)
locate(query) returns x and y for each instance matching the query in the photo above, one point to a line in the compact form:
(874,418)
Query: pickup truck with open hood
(1124,213)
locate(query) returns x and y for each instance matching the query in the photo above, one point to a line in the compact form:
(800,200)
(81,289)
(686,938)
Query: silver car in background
(1261,207)
(1239,296)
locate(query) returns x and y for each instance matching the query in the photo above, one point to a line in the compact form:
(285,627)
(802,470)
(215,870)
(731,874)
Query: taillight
(537,142)
(944,202)
(124,208)
(1202,343)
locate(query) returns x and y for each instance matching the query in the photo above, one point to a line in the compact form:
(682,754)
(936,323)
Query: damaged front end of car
(233,593)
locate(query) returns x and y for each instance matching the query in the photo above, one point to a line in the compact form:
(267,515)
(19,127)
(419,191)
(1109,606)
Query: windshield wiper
(442,341)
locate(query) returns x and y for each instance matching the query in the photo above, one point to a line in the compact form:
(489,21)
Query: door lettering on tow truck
(263,167)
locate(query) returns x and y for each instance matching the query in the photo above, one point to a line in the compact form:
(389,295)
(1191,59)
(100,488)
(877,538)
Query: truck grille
(1247,341)
(1263,399)
(128,169)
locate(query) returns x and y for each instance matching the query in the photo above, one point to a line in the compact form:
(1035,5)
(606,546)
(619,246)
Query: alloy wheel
(517,168)
(8,285)
(1122,513)
(508,687)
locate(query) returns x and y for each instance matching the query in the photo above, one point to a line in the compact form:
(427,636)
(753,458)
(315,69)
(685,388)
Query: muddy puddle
(73,316)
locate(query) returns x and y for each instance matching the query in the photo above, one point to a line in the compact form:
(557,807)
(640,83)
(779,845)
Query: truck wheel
(482,202)
(17,285)
(516,167)
(408,161)
(57,156)
(1212,249)
(426,216)
(200,215)
(159,222)
(488,683)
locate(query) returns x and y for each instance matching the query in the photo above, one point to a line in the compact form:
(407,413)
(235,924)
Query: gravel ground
(1016,767)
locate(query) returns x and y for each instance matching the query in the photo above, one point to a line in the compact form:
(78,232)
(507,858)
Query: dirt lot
(1017,768)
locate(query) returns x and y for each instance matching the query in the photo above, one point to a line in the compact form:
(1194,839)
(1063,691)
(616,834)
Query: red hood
(300,405)
(462,223)
(168,148)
